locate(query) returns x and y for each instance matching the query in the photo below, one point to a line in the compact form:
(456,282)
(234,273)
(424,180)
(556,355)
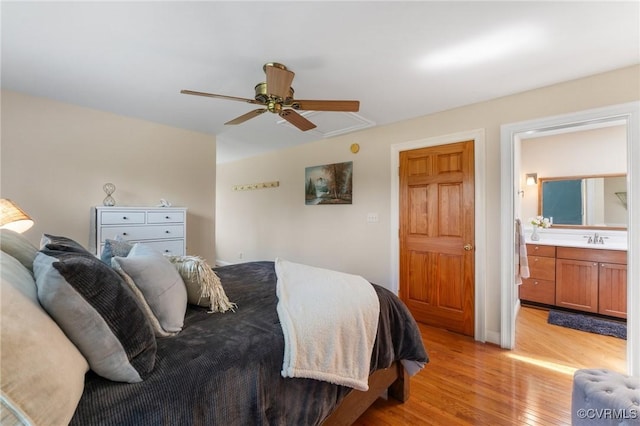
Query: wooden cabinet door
(612,297)
(577,284)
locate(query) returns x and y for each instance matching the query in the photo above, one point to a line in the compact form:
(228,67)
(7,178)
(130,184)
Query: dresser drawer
(169,247)
(165,217)
(155,232)
(536,290)
(122,217)
(543,268)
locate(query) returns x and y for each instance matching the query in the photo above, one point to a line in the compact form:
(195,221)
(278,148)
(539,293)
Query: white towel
(329,320)
(521,254)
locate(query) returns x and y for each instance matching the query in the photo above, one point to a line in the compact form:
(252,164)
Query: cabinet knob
(124,218)
(166,232)
(124,233)
(167,217)
(536,283)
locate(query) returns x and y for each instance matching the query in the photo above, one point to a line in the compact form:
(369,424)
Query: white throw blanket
(329,320)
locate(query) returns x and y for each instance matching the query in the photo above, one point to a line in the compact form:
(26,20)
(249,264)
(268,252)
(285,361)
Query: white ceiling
(133,58)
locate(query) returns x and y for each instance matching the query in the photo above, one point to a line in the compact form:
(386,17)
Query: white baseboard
(493,337)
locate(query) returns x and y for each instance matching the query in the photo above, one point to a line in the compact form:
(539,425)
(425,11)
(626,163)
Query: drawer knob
(166,232)
(167,251)
(124,233)
(167,217)
(535,283)
(124,218)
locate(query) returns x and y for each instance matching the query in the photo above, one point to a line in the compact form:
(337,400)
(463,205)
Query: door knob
(467,247)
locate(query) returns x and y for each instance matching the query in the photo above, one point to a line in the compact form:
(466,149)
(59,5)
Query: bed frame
(394,380)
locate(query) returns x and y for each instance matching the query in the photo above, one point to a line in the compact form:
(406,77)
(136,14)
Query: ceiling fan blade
(278,80)
(297,120)
(311,105)
(247,116)
(213,95)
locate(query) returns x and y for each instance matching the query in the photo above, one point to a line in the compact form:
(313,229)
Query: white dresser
(164,228)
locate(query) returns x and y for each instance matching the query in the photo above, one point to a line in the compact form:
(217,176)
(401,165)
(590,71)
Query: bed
(60,304)
(225,368)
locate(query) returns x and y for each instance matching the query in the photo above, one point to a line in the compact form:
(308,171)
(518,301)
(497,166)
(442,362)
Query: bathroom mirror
(584,201)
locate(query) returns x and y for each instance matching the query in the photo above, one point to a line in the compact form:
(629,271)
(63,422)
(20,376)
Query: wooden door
(612,290)
(437,235)
(577,284)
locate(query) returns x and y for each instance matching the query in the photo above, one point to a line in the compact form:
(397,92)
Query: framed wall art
(329,184)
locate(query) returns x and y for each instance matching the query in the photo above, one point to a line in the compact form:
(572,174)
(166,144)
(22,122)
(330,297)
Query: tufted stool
(604,397)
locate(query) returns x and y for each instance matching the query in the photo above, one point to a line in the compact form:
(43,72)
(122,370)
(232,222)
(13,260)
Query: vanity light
(532,179)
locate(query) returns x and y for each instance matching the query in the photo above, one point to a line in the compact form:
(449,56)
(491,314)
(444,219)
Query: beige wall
(266,223)
(55,158)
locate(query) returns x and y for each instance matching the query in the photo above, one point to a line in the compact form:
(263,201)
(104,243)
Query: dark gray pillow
(98,313)
(55,242)
(113,248)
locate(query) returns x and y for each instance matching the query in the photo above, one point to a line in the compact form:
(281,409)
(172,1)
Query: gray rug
(588,323)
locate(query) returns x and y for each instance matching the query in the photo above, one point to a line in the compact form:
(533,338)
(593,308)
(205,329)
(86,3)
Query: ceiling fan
(276,96)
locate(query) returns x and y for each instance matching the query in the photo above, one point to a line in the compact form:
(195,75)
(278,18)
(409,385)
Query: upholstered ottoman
(604,397)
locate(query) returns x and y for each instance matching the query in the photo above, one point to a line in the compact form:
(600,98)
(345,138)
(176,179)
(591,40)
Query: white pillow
(159,282)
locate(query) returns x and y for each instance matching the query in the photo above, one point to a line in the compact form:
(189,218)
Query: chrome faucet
(595,239)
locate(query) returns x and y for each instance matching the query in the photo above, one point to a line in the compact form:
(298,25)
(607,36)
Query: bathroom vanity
(573,272)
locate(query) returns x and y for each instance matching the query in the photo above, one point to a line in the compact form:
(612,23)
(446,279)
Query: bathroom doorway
(511,140)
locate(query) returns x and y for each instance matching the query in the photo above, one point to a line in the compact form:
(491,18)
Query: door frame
(478,138)
(510,145)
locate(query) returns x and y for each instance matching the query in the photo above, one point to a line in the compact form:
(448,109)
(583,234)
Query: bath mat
(588,323)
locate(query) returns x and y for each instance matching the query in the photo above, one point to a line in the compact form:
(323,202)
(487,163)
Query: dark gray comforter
(225,368)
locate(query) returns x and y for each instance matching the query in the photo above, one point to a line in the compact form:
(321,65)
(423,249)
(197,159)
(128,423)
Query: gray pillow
(113,248)
(159,282)
(98,313)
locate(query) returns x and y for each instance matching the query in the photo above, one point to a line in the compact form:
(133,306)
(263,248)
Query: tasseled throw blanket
(329,320)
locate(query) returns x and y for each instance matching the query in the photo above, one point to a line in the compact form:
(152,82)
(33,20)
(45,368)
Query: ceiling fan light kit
(276,96)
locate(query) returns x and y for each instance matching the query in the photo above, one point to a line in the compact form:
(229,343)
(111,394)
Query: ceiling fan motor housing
(262,94)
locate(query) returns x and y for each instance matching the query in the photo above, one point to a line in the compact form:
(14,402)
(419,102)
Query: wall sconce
(13,217)
(532,179)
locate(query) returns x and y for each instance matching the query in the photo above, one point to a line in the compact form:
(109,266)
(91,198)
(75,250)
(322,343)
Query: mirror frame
(541,180)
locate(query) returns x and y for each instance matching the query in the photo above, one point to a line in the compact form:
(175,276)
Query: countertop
(613,240)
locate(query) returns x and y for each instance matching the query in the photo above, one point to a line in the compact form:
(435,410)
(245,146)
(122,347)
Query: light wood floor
(471,383)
